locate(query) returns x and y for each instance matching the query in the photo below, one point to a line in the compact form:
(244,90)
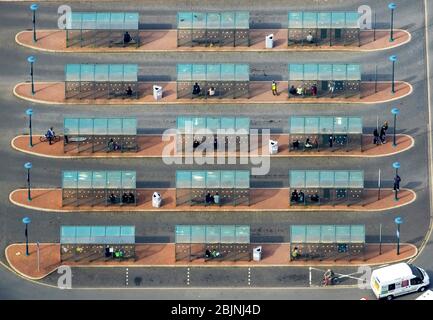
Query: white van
(398,279)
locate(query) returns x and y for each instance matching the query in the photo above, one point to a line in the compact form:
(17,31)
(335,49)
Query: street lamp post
(33,8)
(395,112)
(398,221)
(28,166)
(396,166)
(393,59)
(29,112)
(32,60)
(392,6)
(26,221)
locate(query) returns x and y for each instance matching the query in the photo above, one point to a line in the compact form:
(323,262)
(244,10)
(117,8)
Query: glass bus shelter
(326,187)
(230,242)
(319,80)
(213,29)
(213,187)
(222,134)
(325,133)
(101,29)
(323,28)
(97,243)
(100,135)
(215,81)
(90,188)
(326,242)
(101,81)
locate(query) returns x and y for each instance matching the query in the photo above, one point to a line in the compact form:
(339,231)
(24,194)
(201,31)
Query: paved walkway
(260,93)
(166,41)
(152,146)
(262,200)
(163,255)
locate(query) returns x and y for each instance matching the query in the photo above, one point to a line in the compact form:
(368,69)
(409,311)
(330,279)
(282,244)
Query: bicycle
(45,139)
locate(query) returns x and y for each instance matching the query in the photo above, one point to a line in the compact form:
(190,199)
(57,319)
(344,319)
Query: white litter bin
(257,253)
(157,92)
(273,147)
(156,200)
(269,42)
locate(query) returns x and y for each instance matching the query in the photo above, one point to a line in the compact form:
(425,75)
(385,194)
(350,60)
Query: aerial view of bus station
(199,150)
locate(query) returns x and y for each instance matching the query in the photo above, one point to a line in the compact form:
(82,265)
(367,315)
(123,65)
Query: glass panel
(298,234)
(352,20)
(213,72)
(213,234)
(101,72)
(75,21)
(85,126)
(339,72)
(72,72)
(310,71)
(357,234)
(183,179)
(342,234)
(115,73)
(356,179)
(112,231)
(325,72)
(326,179)
(326,125)
(198,234)
(338,20)
(82,234)
(297,125)
(242,180)
(184,20)
(114,180)
(310,19)
(311,125)
(227,179)
(97,234)
(295,20)
(297,179)
(99,179)
(183,234)
(70,126)
(67,234)
(242,72)
(115,126)
(227,20)
(296,72)
(242,234)
(131,21)
(84,180)
(213,20)
(312,179)
(129,126)
(243,124)
(70,180)
(184,72)
(198,179)
(242,20)
(130,72)
(228,234)
(198,72)
(198,123)
(129,180)
(228,123)
(324,20)
(117,20)
(88,21)
(87,72)
(340,125)
(199,20)
(102,20)
(100,126)
(354,72)
(213,179)
(341,179)
(355,125)
(327,234)
(128,234)
(227,72)
(213,124)
(313,234)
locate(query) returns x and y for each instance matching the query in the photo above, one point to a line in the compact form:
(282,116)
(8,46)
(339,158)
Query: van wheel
(389,298)
(422,289)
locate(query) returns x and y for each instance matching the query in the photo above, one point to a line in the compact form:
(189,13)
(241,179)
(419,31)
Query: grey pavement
(159,227)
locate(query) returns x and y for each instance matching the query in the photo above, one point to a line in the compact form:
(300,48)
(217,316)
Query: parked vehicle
(398,279)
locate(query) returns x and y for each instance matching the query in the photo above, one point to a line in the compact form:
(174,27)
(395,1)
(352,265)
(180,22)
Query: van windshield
(416,272)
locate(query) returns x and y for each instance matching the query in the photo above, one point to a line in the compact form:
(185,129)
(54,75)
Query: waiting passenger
(131,197)
(207,253)
(196,89)
(50,135)
(216,198)
(293,91)
(129,91)
(376,140)
(215,254)
(315,198)
(295,253)
(308,144)
(127,38)
(314,90)
(295,196)
(331,141)
(209,198)
(125,198)
(296,144)
(195,143)
(309,37)
(112,198)
(301,196)
(300,91)
(211,91)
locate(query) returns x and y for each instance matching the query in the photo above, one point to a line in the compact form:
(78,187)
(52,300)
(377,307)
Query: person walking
(274,88)
(397,181)
(375,137)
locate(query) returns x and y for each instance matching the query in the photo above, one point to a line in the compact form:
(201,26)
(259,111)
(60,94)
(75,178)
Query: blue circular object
(31,59)
(28,165)
(395,111)
(396,165)
(29,112)
(34,7)
(393,58)
(26,220)
(392,6)
(398,220)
